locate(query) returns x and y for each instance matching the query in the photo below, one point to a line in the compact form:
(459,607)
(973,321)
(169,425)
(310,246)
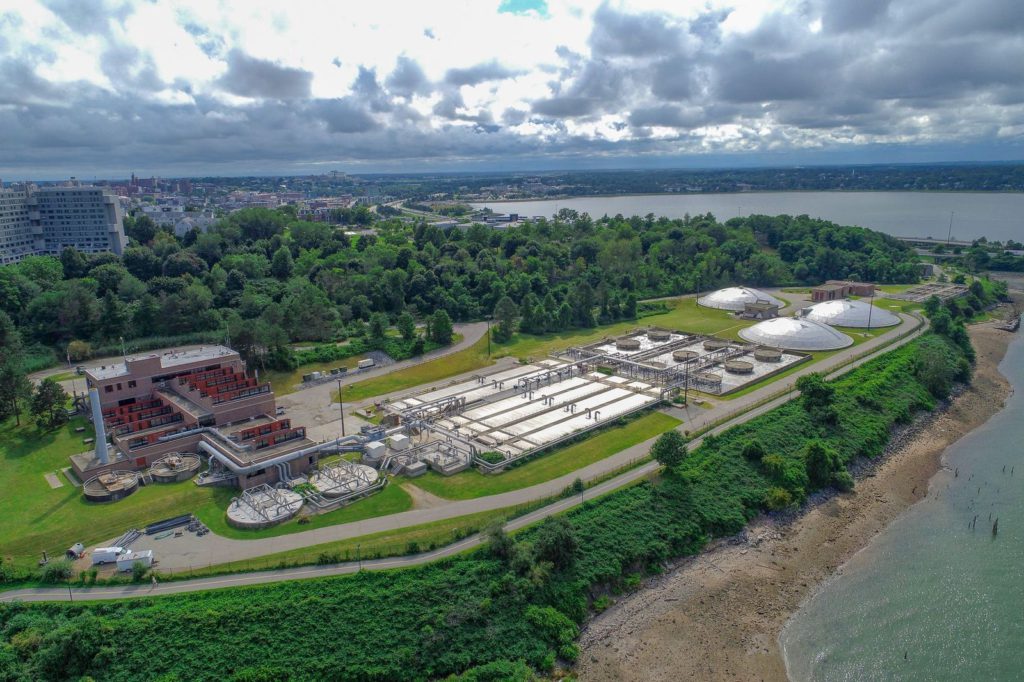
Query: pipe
(97,422)
(248,469)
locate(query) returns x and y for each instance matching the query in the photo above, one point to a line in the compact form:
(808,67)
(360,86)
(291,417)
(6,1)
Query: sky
(103,88)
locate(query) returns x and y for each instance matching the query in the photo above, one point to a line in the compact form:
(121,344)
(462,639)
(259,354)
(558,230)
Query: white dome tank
(796,333)
(847,313)
(736,299)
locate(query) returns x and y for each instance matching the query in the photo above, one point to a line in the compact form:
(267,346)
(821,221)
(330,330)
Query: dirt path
(421,499)
(717,616)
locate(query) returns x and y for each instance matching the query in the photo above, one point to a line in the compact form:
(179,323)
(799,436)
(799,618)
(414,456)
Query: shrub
(492,457)
(56,571)
(754,451)
(843,480)
(139,571)
(777,498)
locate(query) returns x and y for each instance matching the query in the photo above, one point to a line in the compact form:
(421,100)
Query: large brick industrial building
(198,401)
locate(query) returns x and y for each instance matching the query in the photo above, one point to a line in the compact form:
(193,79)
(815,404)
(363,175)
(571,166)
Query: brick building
(198,401)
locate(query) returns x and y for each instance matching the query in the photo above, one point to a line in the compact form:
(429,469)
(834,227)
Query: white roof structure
(847,313)
(736,298)
(796,333)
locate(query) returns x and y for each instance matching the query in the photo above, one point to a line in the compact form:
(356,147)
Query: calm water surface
(929,598)
(903,214)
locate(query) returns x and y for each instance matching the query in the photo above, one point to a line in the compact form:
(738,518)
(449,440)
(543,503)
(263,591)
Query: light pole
(359,557)
(341,409)
(488,337)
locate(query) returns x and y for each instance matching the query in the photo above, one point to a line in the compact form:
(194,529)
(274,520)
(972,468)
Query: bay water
(937,595)
(997,216)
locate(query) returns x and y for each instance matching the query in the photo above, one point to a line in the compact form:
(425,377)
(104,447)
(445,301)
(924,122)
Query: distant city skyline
(185,88)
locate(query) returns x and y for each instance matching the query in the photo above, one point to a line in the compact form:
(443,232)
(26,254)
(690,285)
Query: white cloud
(425,80)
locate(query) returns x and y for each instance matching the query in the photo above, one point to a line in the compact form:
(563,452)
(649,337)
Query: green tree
(113,317)
(816,392)
(281,265)
(378,326)
(669,450)
(441,329)
(505,313)
(14,386)
(406,326)
(821,462)
(48,403)
(556,542)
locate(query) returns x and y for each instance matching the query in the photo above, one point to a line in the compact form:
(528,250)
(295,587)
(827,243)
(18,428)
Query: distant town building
(46,220)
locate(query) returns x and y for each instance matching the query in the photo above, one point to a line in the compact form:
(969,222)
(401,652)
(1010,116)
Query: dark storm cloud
(633,35)
(672,78)
(480,73)
(407,79)
(251,77)
(344,115)
(841,16)
(596,87)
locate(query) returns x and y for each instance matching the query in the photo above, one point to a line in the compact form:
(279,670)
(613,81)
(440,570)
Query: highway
(738,411)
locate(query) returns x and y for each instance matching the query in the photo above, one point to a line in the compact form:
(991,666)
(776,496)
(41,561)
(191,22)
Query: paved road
(839,363)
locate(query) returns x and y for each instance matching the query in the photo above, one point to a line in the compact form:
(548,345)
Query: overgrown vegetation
(520,599)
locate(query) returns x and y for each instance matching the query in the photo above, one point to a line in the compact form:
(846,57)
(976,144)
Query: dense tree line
(264,278)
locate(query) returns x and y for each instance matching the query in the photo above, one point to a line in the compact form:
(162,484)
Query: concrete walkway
(730,413)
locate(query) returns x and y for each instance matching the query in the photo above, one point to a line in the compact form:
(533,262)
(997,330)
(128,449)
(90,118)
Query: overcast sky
(104,88)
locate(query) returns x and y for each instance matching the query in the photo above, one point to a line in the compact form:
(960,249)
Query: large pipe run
(97,422)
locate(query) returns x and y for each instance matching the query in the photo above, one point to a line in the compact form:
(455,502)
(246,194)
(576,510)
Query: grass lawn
(684,315)
(387,543)
(284,383)
(471,483)
(66,376)
(36,517)
(391,500)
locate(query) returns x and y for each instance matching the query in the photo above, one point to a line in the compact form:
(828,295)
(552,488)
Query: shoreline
(718,615)
(749,191)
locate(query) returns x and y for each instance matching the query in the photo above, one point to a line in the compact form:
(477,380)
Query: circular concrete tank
(175,467)
(708,378)
(658,335)
(739,367)
(766,354)
(343,482)
(716,344)
(111,487)
(627,343)
(241,515)
(685,355)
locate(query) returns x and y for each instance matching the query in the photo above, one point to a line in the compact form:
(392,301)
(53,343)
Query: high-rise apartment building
(45,220)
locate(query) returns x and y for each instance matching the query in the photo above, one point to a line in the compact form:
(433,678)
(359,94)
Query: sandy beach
(717,616)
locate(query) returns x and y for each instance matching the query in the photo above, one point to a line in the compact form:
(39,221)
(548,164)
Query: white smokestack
(97,422)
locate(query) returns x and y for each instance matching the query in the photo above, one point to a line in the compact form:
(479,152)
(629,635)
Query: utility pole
(488,337)
(359,557)
(871,306)
(949,235)
(341,409)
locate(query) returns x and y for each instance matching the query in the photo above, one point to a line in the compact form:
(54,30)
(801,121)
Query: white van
(368,362)
(106,555)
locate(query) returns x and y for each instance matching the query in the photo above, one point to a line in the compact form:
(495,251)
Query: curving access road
(726,415)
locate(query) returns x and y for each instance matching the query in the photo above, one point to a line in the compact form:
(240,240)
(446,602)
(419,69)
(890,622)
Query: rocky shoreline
(718,615)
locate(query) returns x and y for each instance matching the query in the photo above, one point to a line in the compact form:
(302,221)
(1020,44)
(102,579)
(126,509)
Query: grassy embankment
(480,608)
